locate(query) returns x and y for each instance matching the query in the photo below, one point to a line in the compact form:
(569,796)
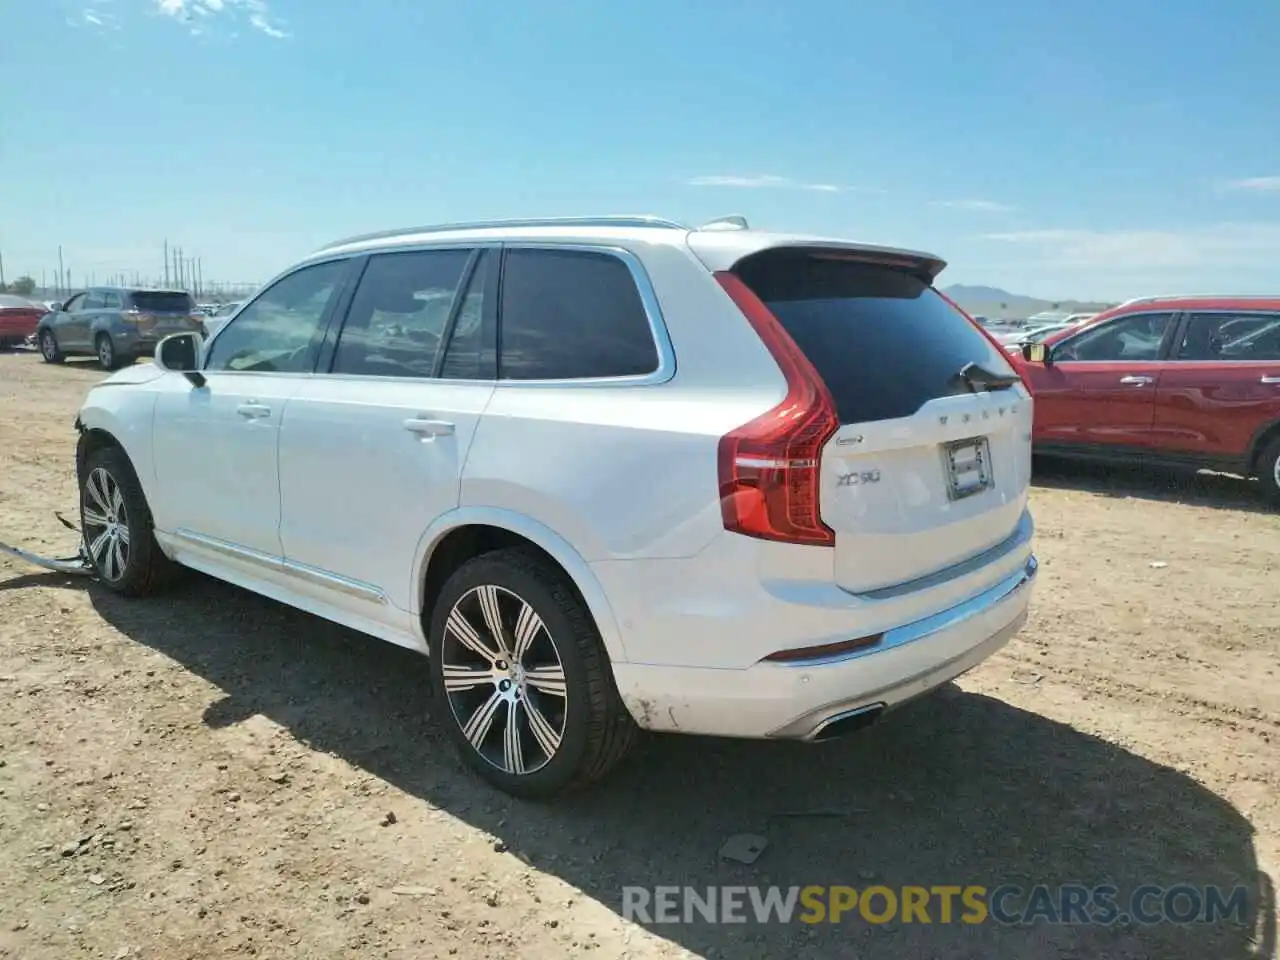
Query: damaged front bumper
(77,565)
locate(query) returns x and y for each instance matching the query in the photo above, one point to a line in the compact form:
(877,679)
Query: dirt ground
(214,775)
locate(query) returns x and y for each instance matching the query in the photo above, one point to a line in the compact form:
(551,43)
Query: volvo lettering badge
(858,479)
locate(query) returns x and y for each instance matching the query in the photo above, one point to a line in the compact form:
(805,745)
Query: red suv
(1176,381)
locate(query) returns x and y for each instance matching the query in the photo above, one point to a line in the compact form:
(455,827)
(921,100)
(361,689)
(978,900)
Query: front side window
(569,314)
(398,314)
(92,301)
(1133,338)
(1231,337)
(111,300)
(75,304)
(280,332)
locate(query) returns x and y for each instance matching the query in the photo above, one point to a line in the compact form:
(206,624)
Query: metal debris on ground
(743,847)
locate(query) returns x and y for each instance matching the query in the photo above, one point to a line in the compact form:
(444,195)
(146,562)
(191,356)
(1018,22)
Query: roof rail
(1200,296)
(619,221)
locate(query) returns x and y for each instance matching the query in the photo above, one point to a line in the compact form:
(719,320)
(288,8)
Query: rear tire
(108,357)
(118,530)
(49,347)
(1269,471)
(535,713)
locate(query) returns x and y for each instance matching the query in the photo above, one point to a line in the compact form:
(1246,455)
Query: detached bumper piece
(78,565)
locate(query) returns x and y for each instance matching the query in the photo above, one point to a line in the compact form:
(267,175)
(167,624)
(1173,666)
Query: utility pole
(166,263)
(1,271)
(60,273)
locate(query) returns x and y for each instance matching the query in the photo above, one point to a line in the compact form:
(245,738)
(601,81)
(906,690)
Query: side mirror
(1035,353)
(180,353)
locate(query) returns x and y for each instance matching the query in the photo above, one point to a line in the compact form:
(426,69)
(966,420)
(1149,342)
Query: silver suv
(610,475)
(115,324)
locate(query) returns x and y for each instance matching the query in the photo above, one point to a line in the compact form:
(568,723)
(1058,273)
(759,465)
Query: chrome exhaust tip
(846,722)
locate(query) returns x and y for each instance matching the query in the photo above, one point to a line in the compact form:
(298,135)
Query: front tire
(49,347)
(1269,471)
(522,678)
(117,526)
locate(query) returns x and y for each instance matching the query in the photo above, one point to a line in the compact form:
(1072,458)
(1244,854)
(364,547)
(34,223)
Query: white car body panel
(382,484)
(328,503)
(215,458)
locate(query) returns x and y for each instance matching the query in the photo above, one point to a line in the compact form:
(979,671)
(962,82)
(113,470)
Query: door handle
(253,410)
(1270,380)
(426,427)
(1136,381)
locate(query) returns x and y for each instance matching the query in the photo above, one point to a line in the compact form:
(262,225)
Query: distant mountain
(977,292)
(999,304)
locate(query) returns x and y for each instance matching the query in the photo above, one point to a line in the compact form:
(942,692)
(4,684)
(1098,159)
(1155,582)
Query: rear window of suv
(152,301)
(882,339)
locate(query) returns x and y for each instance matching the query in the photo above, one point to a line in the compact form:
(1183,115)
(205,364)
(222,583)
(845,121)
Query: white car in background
(685,480)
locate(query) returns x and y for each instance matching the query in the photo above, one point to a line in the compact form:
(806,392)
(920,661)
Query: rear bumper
(139,342)
(796,700)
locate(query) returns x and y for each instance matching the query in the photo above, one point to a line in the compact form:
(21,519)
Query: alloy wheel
(106,524)
(504,679)
(47,347)
(105,352)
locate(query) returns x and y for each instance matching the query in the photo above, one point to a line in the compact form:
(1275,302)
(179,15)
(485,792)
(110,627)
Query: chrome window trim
(664,372)
(666,368)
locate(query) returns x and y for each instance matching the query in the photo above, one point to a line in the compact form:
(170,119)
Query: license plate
(968,467)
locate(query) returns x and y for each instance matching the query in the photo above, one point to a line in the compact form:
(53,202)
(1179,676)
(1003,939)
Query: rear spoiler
(720,251)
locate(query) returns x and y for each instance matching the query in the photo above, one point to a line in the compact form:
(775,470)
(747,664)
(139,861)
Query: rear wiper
(976,378)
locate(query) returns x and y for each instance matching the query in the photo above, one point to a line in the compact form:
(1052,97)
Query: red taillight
(769,467)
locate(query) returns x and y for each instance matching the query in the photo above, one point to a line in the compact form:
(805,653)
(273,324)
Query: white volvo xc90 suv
(609,473)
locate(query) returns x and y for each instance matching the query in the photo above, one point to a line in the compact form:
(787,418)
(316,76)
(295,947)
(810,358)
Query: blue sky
(1083,149)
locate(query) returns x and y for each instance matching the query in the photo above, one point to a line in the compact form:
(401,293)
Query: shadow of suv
(115,324)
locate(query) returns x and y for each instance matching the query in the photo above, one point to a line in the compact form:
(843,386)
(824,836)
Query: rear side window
(884,342)
(154,301)
(569,315)
(1231,337)
(470,353)
(398,314)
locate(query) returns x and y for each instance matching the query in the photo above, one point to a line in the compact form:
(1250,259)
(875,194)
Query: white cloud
(256,12)
(978,206)
(95,15)
(1217,245)
(1261,184)
(763,181)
